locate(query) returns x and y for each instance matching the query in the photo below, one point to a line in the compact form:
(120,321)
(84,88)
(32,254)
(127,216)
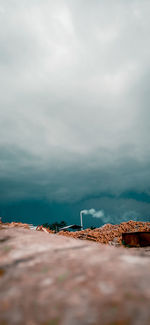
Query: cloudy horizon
(74,107)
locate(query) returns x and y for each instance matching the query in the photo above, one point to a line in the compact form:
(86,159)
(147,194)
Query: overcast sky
(74,103)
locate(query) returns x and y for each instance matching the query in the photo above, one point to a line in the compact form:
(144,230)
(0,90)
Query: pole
(81,220)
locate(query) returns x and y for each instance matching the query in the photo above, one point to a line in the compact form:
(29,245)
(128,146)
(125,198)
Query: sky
(74,110)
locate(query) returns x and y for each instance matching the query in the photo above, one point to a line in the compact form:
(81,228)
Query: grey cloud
(74,110)
(69,179)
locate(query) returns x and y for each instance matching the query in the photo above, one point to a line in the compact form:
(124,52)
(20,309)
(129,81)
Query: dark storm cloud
(74,105)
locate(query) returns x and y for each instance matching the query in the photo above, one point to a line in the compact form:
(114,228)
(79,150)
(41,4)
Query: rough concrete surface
(50,280)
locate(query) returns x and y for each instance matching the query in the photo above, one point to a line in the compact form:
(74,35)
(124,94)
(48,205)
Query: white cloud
(94,213)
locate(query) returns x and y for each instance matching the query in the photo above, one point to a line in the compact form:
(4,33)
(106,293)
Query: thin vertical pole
(81,220)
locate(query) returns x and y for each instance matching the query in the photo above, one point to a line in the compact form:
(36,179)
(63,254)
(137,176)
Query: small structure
(71,227)
(136,239)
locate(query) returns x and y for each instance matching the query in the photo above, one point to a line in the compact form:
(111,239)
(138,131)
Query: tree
(55,226)
(92,227)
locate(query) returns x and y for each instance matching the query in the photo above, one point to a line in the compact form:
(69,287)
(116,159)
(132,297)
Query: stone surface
(49,279)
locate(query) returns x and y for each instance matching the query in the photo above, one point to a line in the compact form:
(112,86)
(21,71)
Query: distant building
(70,228)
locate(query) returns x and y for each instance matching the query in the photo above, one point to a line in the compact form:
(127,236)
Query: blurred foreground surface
(50,280)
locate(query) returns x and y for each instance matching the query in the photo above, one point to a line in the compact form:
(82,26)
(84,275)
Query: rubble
(108,234)
(47,230)
(14,224)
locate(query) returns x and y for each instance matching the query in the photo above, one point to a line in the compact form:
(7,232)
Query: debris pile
(15,224)
(41,228)
(109,234)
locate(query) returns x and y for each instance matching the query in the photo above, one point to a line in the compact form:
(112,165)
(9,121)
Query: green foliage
(55,226)
(92,227)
